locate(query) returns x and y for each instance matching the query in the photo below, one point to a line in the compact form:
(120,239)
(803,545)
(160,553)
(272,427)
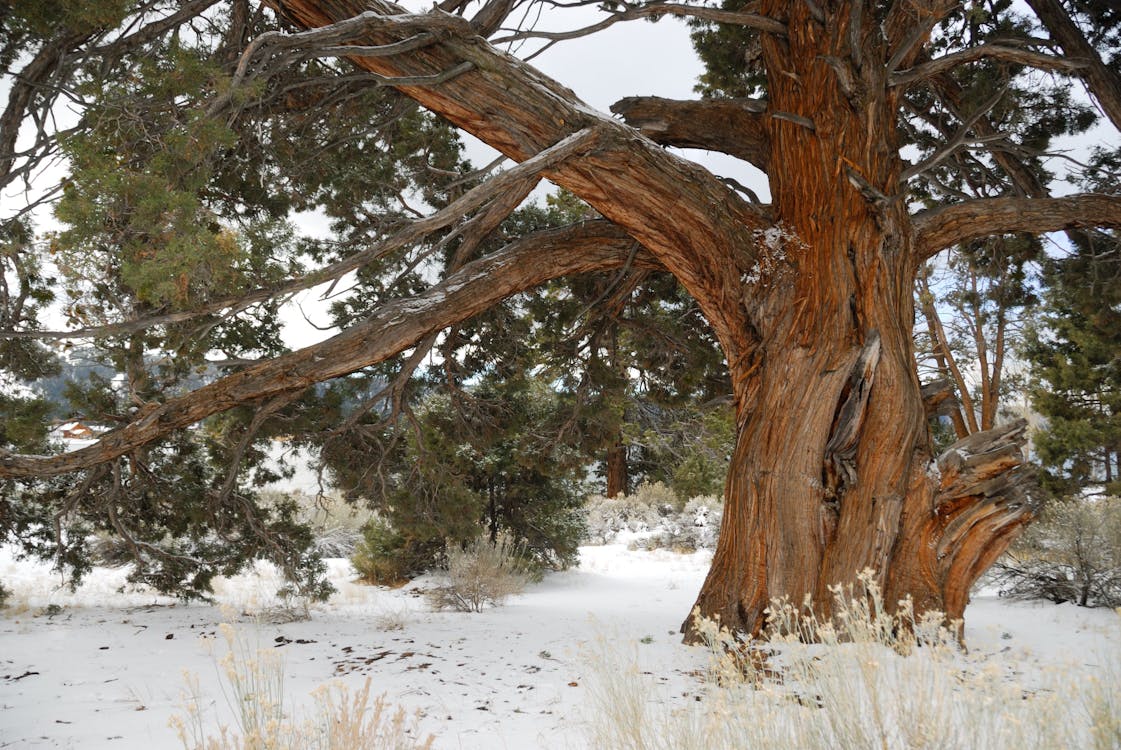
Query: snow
(104,668)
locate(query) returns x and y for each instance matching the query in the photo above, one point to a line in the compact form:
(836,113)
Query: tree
(1074,353)
(810,297)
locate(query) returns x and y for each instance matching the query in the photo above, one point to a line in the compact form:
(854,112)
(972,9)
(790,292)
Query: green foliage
(486,458)
(388,557)
(1073,350)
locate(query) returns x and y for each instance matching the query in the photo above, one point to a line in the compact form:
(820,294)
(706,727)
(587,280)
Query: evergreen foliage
(1074,350)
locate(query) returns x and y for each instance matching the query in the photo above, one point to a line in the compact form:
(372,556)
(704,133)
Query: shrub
(387,557)
(479,573)
(1072,553)
(695,527)
(4,594)
(607,517)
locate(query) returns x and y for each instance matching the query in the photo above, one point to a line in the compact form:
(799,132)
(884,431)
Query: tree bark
(618,479)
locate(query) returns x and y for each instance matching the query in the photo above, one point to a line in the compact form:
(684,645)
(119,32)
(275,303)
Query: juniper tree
(810,297)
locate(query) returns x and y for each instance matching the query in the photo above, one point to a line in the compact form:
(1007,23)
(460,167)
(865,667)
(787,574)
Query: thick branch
(698,227)
(940,228)
(1104,82)
(393,328)
(730,126)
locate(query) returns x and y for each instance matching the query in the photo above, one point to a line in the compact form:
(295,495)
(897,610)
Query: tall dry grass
(869,678)
(253,688)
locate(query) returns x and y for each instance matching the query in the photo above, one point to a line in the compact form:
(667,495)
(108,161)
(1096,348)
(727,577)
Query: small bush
(481,573)
(387,557)
(607,517)
(695,527)
(1072,553)
(4,594)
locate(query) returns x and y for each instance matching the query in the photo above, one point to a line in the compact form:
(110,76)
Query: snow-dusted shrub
(868,678)
(607,517)
(659,496)
(1072,553)
(695,527)
(254,690)
(480,573)
(4,594)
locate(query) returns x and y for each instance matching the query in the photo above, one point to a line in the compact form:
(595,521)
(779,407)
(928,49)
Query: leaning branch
(390,330)
(940,228)
(730,126)
(495,190)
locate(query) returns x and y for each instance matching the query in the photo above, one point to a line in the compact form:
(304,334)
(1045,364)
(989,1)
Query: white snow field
(99,668)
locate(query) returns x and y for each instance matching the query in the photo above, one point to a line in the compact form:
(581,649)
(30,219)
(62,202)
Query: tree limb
(940,228)
(394,327)
(1005,52)
(730,126)
(1103,81)
(696,226)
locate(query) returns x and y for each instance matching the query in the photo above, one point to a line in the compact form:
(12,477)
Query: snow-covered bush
(607,517)
(480,573)
(658,519)
(1072,553)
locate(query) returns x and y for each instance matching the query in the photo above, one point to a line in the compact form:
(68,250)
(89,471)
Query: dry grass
(870,679)
(253,685)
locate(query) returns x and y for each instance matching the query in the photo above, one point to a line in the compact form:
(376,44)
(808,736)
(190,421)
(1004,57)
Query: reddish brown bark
(618,479)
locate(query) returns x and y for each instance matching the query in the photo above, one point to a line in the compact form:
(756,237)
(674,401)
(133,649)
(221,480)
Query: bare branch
(957,140)
(940,228)
(730,126)
(1005,52)
(655,10)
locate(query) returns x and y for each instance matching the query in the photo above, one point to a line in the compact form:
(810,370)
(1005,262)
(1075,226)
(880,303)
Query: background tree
(810,297)
(1074,350)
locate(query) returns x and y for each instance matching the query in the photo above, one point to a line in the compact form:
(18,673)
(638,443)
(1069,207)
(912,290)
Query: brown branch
(496,191)
(656,10)
(1103,81)
(730,126)
(940,228)
(1004,52)
(698,228)
(391,329)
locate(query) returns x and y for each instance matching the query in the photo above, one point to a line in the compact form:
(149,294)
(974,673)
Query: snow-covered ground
(102,669)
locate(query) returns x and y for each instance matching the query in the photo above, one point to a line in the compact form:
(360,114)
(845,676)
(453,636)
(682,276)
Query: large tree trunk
(832,469)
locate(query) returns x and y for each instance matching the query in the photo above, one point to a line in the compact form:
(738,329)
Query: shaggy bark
(730,126)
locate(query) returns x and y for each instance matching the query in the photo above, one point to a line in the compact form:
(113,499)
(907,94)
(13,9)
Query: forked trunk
(832,471)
